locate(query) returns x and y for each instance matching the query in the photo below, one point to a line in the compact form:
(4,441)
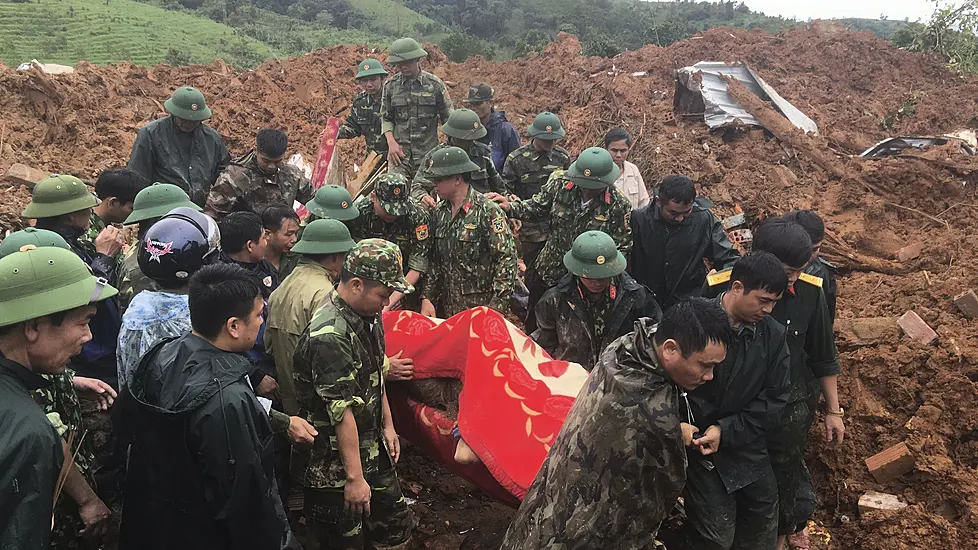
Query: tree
(460,46)
(951,33)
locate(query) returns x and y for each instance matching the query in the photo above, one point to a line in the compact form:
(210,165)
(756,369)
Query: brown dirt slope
(848,82)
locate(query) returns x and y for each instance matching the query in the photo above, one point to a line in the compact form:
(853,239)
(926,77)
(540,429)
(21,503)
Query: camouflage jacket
(473,258)
(243,186)
(410,233)
(486,179)
(560,203)
(525,172)
(132,281)
(364,120)
(411,110)
(619,456)
(572,327)
(339,364)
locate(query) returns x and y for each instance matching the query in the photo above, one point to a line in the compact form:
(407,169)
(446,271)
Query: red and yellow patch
(421,232)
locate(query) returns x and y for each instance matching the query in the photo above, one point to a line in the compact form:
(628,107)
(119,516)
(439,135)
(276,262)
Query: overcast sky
(833,9)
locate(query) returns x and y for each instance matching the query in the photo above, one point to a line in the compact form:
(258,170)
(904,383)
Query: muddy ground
(859,89)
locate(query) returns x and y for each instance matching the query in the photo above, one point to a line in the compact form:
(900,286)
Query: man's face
(545,145)
(595,286)
(408,69)
(370,298)
(793,273)
(371,84)
(117,212)
(81,219)
(186,126)
(619,151)
(285,238)
(245,330)
(378,207)
(816,248)
(257,249)
(269,164)
(751,307)
(675,212)
(482,108)
(695,370)
(50,346)
(463,144)
(445,187)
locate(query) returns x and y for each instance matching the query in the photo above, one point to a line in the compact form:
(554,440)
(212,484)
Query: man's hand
(267,388)
(429,201)
(109,241)
(94,514)
(428,308)
(393,443)
(835,429)
(301,431)
(710,442)
(688,431)
(96,390)
(356,496)
(401,368)
(502,201)
(394,152)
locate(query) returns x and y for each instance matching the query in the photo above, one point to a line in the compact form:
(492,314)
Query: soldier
(619,143)
(352,495)
(151,204)
(47,296)
(473,257)
(364,118)
(260,179)
(116,190)
(731,494)
(389,213)
(413,103)
(463,127)
(592,305)
(333,202)
(180,148)
(815,227)
(281,224)
(501,136)
(618,464)
(673,235)
(579,199)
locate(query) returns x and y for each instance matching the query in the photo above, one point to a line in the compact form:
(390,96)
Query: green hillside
(391,17)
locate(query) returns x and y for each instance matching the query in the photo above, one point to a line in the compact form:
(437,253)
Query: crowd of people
(174,391)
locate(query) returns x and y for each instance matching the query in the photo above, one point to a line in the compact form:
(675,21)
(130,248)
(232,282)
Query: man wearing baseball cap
(501,135)
(352,496)
(47,297)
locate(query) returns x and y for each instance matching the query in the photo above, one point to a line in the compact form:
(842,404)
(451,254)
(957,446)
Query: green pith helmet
(40,281)
(59,195)
(392,192)
(188,103)
(595,256)
(334,202)
(464,124)
(31,236)
(156,201)
(450,161)
(547,126)
(378,260)
(324,237)
(594,169)
(405,49)
(479,93)
(370,67)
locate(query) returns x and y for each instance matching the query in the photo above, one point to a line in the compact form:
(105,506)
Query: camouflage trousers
(332,527)
(786,445)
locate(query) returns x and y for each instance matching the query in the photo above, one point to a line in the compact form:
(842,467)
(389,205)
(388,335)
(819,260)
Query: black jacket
(825,270)
(30,461)
(745,398)
(669,258)
(200,464)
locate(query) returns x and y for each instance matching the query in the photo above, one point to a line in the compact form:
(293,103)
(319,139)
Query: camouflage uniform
(525,172)
(484,180)
(95,227)
(244,186)
(618,464)
(473,260)
(364,120)
(411,109)
(132,281)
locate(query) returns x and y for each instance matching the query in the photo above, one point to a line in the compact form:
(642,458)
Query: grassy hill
(391,17)
(67,31)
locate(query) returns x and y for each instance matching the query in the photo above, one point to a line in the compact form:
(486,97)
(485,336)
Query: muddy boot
(464,454)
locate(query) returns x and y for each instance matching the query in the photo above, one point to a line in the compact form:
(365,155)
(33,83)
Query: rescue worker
(389,213)
(364,118)
(116,191)
(501,136)
(333,202)
(673,235)
(352,496)
(618,463)
(281,225)
(473,256)
(579,199)
(594,304)
(412,104)
(815,227)
(48,296)
(180,148)
(619,143)
(244,242)
(260,179)
(731,494)
(463,128)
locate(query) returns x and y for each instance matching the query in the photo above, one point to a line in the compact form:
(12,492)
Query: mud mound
(858,89)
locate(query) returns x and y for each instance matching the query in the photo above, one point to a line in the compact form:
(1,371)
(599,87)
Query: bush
(459,47)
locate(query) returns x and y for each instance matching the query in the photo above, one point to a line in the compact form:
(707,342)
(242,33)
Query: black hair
(272,142)
(219,292)
(274,216)
(678,189)
(238,229)
(786,240)
(810,222)
(693,323)
(760,270)
(122,183)
(617,134)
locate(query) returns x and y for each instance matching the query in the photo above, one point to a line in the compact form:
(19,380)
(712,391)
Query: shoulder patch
(499,224)
(421,232)
(718,278)
(811,279)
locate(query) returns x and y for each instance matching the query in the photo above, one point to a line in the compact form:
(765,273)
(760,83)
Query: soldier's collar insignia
(600,260)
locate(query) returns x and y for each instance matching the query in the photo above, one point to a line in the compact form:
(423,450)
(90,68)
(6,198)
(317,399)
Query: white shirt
(631,184)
